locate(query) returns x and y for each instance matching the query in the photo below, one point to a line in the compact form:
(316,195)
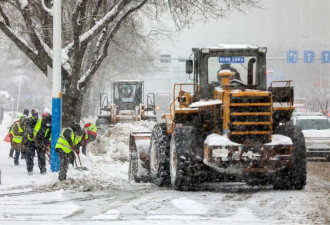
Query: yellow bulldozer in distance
(229,124)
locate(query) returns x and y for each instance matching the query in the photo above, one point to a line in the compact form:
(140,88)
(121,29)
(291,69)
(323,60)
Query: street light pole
(56,93)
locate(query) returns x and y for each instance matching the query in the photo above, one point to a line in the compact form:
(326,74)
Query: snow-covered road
(102,195)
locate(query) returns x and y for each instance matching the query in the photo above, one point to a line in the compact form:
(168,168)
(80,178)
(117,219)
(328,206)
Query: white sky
(281,26)
(300,24)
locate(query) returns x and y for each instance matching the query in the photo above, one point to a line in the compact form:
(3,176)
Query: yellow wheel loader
(225,125)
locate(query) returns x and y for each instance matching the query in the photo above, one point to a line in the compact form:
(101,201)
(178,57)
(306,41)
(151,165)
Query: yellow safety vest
(93,130)
(37,128)
(92,127)
(86,136)
(17,138)
(63,144)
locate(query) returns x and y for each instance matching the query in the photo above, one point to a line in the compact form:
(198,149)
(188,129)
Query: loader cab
(127,94)
(248,64)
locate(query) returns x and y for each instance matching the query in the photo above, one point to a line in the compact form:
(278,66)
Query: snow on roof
(234,46)
(237,46)
(216,139)
(203,103)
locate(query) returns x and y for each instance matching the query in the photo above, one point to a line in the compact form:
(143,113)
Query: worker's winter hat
(91,129)
(26,112)
(34,113)
(46,114)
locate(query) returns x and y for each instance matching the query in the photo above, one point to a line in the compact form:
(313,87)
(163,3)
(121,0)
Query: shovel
(81,167)
(45,149)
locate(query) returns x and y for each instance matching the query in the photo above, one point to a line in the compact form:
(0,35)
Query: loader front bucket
(139,168)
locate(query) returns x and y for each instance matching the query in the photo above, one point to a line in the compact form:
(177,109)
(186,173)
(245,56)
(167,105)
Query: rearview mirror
(189,66)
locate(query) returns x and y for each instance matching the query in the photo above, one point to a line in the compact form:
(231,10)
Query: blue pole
(57,94)
(56,131)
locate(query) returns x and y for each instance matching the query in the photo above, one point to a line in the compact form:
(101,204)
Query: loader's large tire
(159,155)
(186,159)
(294,176)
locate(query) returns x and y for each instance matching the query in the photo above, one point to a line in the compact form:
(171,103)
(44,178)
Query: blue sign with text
(325,57)
(231,59)
(292,57)
(309,56)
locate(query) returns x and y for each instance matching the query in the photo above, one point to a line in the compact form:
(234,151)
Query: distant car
(316,129)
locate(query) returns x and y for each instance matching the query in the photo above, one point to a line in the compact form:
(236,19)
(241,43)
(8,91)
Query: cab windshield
(237,64)
(125,92)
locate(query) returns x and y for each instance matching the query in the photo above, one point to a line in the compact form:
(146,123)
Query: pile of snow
(204,103)
(278,139)
(223,140)
(216,139)
(114,143)
(106,160)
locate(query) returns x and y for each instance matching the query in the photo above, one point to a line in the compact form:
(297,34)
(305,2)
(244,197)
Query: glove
(77,151)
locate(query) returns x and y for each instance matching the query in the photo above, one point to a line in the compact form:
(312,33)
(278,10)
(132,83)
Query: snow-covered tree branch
(89,28)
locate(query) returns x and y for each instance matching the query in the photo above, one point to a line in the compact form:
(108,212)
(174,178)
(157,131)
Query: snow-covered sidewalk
(40,197)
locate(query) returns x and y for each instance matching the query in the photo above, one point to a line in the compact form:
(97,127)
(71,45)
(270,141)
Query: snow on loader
(126,105)
(229,126)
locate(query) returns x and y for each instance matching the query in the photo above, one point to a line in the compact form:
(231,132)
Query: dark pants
(65,159)
(41,159)
(29,156)
(16,158)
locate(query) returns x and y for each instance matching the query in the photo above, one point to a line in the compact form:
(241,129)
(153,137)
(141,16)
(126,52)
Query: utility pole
(56,93)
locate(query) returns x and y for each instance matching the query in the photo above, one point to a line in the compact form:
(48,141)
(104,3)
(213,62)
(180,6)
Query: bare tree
(89,28)
(318,99)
